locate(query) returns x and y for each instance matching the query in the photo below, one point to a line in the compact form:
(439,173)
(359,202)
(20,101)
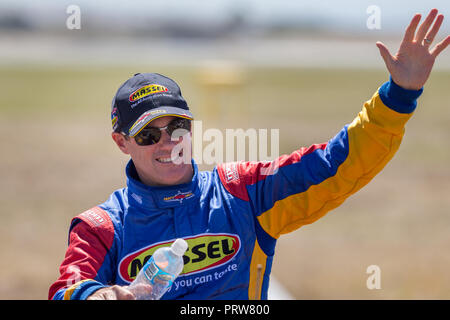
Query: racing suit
(231,216)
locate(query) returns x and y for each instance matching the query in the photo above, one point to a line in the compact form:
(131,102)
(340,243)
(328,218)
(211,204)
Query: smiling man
(232,216)
(147,110)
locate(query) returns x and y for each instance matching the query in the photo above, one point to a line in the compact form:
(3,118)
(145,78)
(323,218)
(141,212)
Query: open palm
(412,65)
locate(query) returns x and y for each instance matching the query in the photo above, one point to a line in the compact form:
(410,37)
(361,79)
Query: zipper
(174,220)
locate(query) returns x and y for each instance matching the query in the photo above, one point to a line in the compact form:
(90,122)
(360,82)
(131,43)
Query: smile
(169,159)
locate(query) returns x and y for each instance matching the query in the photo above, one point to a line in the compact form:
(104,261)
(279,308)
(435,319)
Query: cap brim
(153,114)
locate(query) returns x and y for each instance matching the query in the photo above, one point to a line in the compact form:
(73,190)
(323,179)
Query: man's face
(154,163)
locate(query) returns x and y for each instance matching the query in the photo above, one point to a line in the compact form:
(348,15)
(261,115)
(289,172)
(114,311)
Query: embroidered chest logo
(205,252)
(180,196)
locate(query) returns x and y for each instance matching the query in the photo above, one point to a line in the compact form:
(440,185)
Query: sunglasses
(152,135)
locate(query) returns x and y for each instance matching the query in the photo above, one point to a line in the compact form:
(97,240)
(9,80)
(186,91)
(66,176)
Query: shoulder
(234,178)
(94,222)
(102,220)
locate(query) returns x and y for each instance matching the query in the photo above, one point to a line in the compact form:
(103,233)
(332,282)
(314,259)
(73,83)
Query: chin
(176,176)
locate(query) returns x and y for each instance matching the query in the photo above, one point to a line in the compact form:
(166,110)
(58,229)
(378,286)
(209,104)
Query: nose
(165,137)
(166,140)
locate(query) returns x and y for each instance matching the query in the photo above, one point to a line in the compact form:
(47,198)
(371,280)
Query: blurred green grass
(58,160)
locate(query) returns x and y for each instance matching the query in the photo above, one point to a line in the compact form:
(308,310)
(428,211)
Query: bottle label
(156,275)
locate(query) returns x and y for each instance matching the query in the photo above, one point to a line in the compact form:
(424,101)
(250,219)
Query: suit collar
(150,197)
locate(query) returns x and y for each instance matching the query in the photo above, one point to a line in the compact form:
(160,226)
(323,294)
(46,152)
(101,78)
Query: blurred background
(303,67)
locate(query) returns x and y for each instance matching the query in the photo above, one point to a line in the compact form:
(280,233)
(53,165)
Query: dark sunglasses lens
(178,124)
(148,136)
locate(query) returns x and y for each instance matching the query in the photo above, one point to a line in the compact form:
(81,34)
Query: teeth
(166,160)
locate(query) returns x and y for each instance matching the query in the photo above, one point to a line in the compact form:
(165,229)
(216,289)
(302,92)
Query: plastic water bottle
(160,271)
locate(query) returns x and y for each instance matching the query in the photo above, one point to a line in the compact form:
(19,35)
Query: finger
(423,29)
(434,30)
(411,29)
(109,295)
(97,295)
(123,293)
(440,47)
(385,54)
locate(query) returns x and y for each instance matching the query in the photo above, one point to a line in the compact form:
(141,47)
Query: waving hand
(412,65)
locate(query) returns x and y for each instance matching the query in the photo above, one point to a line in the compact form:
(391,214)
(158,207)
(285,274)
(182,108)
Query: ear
(121,141)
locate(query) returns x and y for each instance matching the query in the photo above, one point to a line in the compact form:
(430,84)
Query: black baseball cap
(143,98)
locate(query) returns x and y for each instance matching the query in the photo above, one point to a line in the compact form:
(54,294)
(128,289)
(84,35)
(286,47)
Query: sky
(349,15)
(116,18)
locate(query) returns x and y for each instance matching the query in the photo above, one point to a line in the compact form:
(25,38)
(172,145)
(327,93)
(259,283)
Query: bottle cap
(179,247)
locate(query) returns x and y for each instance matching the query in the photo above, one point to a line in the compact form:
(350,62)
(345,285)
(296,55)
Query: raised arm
(312,181)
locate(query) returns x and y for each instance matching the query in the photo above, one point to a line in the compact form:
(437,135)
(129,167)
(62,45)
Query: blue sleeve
(399,99)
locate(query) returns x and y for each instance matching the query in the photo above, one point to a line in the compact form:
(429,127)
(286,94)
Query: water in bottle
(158,274)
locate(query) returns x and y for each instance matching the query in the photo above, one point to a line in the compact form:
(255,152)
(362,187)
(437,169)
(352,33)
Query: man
(230,217)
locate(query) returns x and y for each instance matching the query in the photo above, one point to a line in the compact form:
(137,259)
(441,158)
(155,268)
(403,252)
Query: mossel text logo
(205,251)
(147,90)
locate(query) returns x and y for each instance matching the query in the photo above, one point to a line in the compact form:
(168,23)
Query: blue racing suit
(231,216)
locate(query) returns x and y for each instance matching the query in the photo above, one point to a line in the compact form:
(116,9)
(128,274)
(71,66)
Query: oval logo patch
(205,251)
(146,90)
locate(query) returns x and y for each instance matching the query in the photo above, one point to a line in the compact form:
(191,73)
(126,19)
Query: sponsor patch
(231,172)
(94,216)
(180,196)
(205,251)
(146,90)
(114,118)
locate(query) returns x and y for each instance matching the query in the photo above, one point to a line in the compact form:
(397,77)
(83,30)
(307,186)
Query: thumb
(385,54)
